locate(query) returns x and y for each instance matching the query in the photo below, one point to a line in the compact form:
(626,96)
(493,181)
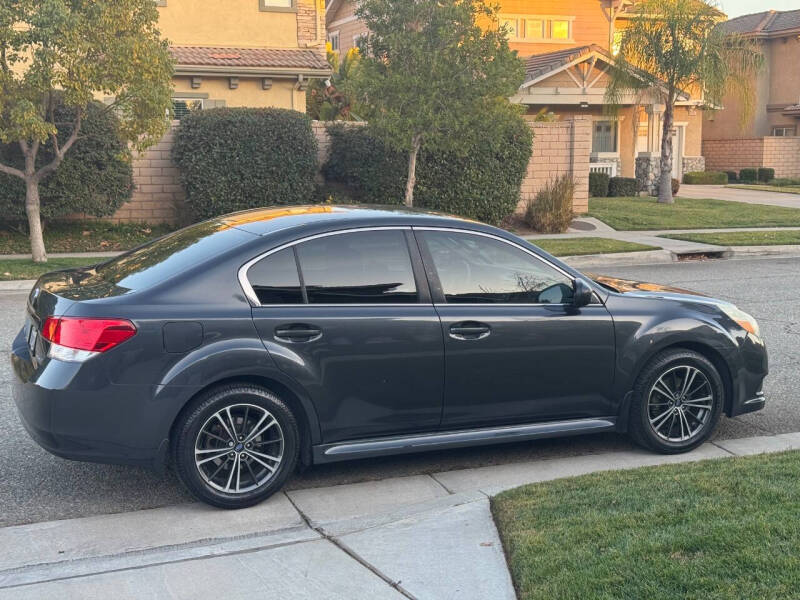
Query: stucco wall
(250,92)
(559,148)
(779,153)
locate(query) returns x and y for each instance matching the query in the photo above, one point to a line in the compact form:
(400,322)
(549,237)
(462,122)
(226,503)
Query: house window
(511,26)
(277,5)
(604,136)
(184,106)
(333,40)
(783,131)
(526,28)
(559,29)
(534,29)
(358,39)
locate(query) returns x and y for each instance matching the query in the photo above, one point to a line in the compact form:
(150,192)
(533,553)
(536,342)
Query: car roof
(267,221)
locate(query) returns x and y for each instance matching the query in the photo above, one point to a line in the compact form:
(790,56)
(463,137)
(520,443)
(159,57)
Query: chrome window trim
(510,243)
(250,293)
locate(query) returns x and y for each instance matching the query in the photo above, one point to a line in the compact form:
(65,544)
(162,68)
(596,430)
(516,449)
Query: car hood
(653,290)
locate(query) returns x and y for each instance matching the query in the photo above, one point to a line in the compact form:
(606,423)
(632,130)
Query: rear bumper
(79,415)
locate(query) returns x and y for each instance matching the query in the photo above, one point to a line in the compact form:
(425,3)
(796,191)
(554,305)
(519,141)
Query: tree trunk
(416,142)
(665,177)
(34,219)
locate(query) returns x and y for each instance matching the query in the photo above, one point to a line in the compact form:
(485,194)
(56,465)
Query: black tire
(201,414)
(671,364)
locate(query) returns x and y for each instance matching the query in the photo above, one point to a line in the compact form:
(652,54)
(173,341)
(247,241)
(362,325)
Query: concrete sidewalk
(426,536)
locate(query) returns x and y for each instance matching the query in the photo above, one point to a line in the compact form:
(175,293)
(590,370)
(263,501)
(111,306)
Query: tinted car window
(479,269)
(275,280)
(365,267)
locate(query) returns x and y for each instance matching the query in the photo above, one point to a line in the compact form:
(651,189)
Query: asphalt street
(35,486)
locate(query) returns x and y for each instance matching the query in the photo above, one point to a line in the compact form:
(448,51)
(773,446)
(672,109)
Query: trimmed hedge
(748,175)
(481,183)
(96,176)
(705,178)
(623,186)
(785,181)
(733,176)
(598,184)
(766,174)
(238,158)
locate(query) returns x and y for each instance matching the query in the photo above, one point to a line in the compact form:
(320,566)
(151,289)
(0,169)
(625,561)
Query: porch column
(654,112)
(648,165)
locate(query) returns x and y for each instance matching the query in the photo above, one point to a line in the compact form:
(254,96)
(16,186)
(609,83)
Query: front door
(345,317)
(516,350)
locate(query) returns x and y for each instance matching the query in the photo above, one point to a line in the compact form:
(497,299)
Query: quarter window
(477,269)
(275,280)
(365,267)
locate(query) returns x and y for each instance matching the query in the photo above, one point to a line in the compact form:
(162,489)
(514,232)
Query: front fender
(642,331)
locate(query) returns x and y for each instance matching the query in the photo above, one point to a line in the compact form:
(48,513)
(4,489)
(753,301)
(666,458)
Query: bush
(785,181)
(482,182)
(765,174)
(705,178)
(748,175)
(96,176)
(237,158)
(676,186)
(623,186)
(598,185)
(551,210)
(733,176)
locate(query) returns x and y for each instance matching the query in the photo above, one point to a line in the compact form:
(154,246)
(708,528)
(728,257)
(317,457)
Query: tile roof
(767,23)
(300,58)
(541,64)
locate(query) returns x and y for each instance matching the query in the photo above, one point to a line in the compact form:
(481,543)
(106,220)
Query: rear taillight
(77,339)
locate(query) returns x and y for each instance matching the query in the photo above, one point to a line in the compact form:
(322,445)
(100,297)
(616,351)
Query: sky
(736,8)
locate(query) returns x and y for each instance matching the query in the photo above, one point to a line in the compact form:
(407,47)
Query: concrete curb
(452,530)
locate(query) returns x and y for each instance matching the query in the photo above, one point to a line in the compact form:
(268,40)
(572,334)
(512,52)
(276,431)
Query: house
(730,143)
(567,47)
(244,52)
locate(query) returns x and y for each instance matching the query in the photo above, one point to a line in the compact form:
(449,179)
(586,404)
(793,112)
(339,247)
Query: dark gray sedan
(243,346)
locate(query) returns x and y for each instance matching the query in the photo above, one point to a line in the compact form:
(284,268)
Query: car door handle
(297,332)
(469,330)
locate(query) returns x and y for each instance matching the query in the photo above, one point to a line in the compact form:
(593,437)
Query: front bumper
(748,378)
(73,411)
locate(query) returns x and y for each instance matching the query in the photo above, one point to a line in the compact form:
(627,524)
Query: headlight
(745,321)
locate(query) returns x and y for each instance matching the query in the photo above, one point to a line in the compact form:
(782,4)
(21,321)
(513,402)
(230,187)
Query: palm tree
(676,46)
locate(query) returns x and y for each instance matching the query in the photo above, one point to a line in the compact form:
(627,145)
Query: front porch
(625,142)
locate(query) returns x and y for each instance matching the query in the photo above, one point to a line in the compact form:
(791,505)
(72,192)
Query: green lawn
(83,237)
(13,269)
(741,238)
(786,189)
(713,530)
(645,213)
(587,245)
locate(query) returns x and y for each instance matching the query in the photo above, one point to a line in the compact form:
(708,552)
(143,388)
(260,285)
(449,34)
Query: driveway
(720,192)
(40,487)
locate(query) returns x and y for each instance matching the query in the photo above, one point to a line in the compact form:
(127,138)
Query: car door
(516,349)
(349,318)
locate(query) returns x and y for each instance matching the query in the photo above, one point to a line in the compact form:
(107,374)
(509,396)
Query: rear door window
(361,267)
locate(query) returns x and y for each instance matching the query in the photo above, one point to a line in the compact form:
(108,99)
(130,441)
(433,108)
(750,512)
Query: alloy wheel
(680,404)
(239,448)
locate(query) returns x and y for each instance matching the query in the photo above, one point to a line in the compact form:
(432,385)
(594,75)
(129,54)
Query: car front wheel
(677,402)
(236,446)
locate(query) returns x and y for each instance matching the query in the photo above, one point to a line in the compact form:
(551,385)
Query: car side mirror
(581,293)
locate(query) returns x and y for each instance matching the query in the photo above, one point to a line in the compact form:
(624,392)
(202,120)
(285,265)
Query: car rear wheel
(677,402)
(236,446)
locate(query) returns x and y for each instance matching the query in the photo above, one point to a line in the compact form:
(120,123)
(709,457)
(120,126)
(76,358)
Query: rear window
(169,255)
